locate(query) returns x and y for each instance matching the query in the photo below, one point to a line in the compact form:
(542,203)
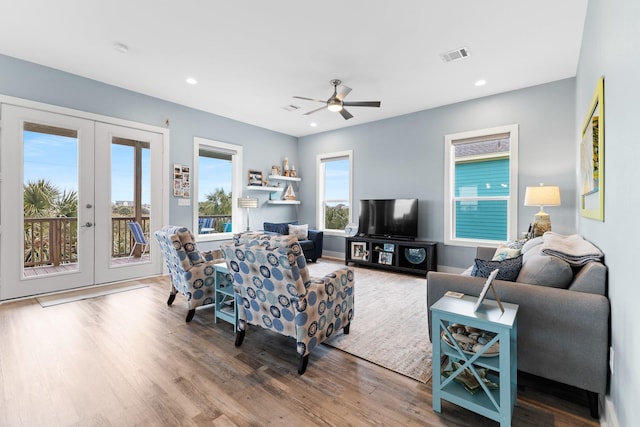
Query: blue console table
(496,404)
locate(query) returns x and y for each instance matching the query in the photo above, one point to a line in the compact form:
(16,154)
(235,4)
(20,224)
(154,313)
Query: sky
(55,158)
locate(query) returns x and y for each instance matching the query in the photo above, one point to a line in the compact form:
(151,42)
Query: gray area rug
(51,300)
(389,327)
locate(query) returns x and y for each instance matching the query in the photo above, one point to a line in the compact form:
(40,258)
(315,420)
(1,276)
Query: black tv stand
(398,254)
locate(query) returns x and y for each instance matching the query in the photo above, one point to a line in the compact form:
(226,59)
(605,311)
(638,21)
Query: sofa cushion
(509,268)
(278,227)
(545,270)
(300,231)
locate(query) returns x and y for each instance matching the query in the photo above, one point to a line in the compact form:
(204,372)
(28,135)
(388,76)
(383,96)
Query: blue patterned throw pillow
(509,268)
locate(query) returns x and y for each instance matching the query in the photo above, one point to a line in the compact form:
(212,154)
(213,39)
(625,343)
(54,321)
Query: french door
(60,177)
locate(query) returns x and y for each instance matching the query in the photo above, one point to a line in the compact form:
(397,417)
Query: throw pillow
(509,268)
(299,231)
(505,251)
(545,270)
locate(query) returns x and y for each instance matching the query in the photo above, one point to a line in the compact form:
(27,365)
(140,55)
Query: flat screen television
(392,218)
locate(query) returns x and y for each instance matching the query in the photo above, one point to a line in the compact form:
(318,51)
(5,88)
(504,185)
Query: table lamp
(248,203)
(542,196)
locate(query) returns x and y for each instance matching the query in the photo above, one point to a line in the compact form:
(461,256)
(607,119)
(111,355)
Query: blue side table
(496,404)
(225,297)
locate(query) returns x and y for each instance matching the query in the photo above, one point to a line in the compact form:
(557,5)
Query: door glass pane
(50,198)
(130,200)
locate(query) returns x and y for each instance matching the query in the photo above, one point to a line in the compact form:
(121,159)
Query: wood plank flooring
(127,359)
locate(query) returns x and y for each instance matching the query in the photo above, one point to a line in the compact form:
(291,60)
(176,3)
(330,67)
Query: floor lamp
(247,203)
(541,196)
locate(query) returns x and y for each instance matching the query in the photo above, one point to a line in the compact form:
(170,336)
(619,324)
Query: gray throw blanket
(573,249)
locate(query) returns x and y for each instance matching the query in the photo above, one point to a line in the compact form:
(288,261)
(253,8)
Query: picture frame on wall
(592,158)
(255,178)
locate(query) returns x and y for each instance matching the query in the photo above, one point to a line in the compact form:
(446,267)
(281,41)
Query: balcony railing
(53,241)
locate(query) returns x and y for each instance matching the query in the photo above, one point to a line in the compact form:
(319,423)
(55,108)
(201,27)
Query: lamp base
(541,224)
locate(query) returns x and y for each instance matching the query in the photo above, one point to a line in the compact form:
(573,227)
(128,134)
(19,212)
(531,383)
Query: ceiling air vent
(454,55)
(291,107)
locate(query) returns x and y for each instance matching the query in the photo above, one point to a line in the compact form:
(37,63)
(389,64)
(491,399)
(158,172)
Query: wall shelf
(285,178)
(284,202)
(263,188)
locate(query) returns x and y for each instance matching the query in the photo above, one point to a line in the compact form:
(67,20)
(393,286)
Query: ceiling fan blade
(316,110)
(309,99)
(362,104)
(347,115)
(342,92)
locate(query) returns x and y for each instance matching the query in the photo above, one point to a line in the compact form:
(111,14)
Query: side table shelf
(496,404)
(225,304)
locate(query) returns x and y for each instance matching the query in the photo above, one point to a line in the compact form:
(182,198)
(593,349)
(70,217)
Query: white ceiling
(250,57)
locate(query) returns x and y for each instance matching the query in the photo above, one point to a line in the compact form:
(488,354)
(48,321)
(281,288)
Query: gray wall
(262,147)
(610,48)
(404,157)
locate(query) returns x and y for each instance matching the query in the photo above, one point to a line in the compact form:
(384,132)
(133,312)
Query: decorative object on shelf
(181,181)
(285,167)
(276,170)
(247,203)
(351,229)
(541,196)
(471,340)
(415,255)
(289,194)
(468,380)
(389,247)
(359,251)
(385,258)
(592,158)
(255,178)
(293,172)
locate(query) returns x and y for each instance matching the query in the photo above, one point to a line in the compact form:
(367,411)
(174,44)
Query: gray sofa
(563,331)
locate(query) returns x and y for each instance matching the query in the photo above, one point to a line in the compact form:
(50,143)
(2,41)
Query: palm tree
(39,199)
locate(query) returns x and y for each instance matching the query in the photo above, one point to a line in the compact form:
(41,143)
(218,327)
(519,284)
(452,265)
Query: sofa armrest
(317,237)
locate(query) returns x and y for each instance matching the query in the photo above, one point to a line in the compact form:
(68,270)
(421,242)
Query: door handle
(87,224)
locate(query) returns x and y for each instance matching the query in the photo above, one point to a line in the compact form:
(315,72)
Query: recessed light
(191,81)
(313,124)
(481,83)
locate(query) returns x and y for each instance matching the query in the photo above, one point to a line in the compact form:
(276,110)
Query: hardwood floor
(127,359)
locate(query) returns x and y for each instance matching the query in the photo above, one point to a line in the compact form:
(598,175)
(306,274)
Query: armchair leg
(302,364)
(190,315)
(345,330)
(172,298)
(239,338)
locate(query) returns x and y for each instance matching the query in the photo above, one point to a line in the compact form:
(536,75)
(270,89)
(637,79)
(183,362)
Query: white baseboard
(608,416)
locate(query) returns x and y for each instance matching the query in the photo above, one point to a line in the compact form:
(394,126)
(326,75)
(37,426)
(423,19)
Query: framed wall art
(592,158)
(255,178)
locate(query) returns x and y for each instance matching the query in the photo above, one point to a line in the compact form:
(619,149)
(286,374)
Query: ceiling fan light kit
(336,102)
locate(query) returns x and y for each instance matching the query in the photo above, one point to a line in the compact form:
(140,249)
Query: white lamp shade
(247,202)
(543,195)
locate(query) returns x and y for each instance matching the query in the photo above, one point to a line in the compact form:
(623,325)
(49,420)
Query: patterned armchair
(192,272)
(274,291)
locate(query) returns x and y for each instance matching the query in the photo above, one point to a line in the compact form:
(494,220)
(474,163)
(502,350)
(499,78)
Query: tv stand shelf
(408,256)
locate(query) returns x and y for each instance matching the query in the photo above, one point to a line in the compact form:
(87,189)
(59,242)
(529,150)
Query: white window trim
(512,213)
(236,186)
(320,158)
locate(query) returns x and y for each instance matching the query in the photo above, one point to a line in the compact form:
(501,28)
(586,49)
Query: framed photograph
(255,178)
(385,258)
(359,251)
(389,247)
(488,284)
(592,158)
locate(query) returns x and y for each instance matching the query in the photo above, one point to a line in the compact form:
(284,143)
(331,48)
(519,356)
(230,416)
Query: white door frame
(7,239)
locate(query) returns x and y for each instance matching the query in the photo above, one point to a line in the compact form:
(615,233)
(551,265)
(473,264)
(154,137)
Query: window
(481,184)
(217,182)
(334,191)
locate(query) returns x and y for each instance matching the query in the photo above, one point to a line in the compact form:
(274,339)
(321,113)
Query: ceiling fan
(336,102)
